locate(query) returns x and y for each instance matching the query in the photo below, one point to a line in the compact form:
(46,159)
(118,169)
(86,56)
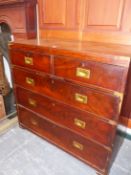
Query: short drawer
(88,72)
(95,102)
(30,60)
(81,122)
(83,149)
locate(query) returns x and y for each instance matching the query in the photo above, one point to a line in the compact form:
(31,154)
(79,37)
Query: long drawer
(96,102)
(84,149)
(98,74)
(81,122)
(37,61)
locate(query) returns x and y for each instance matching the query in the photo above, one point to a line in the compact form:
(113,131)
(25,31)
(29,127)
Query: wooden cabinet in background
(90,20)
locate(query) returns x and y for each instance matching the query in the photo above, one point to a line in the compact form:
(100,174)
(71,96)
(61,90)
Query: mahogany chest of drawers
(70,96)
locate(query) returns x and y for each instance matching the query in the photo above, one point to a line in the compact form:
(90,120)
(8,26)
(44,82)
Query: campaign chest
(71,96)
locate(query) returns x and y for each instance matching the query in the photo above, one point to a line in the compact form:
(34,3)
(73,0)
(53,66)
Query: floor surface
(23,153)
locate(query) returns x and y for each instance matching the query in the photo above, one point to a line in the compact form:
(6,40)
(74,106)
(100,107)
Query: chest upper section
(106,72)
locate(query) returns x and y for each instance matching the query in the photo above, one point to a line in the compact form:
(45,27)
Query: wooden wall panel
(104,14)
(54,12)
(126,23)
(59,14)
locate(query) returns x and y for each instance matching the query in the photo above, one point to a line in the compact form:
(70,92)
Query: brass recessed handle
(28,60)
(32,102)
(80,123)
(78,145)
(84,73)
(30,81)
(34,122)
(81,98)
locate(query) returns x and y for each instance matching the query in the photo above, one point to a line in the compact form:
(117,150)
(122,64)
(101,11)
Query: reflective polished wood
(71,94)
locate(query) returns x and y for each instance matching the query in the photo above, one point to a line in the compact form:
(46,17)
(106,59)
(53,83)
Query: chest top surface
(100,52)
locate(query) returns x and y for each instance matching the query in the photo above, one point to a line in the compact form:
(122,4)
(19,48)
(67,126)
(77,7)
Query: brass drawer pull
(30,81)
(80,123)
(28,60)
(84,73)
(34,122)
(81,98)
(78,145)
(32,102)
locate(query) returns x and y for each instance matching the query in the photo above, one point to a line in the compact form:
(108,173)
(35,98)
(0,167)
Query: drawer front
(87,151)
(31,60)
(27,79)
(98,74)
(82,122)
(90,100)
